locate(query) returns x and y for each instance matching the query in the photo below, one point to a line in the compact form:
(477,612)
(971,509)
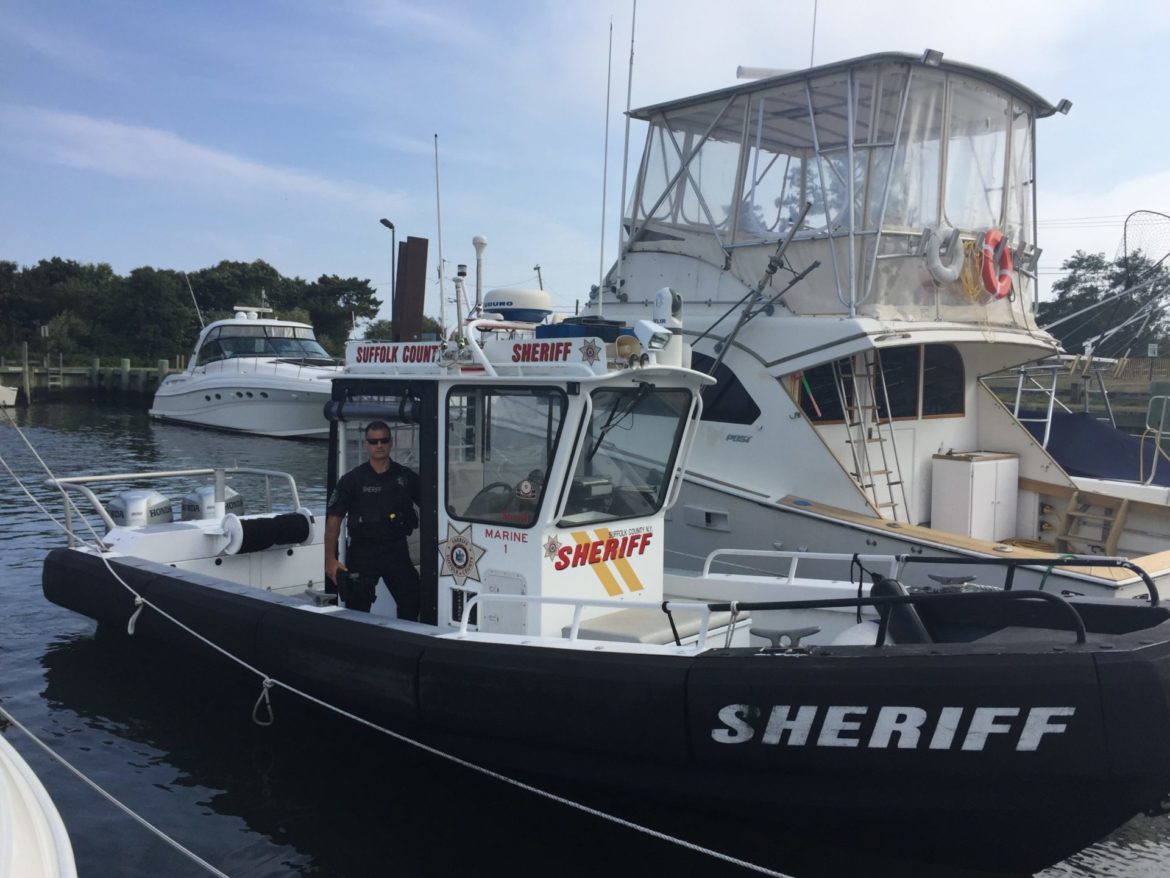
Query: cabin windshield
(885,152)
(500,444)
(285,342)
(626,454)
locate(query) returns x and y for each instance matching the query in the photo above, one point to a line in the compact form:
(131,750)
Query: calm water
(312,795)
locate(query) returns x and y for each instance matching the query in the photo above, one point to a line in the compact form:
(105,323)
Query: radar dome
(516,303)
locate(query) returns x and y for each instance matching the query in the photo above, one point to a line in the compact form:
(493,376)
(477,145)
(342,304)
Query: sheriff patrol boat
(957,723)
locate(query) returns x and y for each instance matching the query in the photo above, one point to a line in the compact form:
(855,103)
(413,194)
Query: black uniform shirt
(380,506)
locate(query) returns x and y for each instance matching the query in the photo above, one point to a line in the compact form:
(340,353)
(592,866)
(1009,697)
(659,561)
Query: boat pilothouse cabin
(551,477)
(855,247)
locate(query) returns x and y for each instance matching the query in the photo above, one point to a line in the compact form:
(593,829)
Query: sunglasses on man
(385,440)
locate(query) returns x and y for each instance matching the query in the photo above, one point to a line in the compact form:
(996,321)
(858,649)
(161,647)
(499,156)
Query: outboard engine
(200,503)
(141,507)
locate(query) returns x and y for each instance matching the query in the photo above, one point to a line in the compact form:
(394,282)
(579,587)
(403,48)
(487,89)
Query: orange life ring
(997,263)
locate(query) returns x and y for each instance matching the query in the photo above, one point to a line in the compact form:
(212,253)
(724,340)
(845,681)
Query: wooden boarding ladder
(1092,522)
(871,435)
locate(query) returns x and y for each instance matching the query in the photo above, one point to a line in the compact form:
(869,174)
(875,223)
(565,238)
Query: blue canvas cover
(1086,446)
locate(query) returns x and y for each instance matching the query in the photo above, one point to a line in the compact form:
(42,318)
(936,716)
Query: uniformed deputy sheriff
(380,498)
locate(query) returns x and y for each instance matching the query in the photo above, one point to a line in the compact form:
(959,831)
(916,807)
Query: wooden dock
(103,377)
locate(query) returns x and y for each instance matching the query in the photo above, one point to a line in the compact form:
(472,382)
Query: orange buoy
(997,263)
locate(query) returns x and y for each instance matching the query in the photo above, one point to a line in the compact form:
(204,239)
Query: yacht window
(896,382)
(209,353)
(822,388)
(728,400)
(298,348)
(942,381)
(976,155)
(939,393)
(691,165)
(500,443)
(627,454)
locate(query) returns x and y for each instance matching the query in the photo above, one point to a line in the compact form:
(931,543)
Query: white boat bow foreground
(33,840)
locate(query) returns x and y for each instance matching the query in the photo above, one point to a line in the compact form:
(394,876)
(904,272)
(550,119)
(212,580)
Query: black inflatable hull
(992,758)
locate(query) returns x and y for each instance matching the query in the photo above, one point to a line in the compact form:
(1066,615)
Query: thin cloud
(141,153)
(61,48)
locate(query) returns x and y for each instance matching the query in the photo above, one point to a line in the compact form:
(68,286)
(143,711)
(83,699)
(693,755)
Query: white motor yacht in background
(252,374)
(849,336)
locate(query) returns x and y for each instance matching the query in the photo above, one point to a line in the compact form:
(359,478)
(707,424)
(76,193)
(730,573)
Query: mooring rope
(268,682)
(125,809)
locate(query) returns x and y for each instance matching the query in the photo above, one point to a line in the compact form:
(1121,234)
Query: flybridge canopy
(904,162)
(1042,108)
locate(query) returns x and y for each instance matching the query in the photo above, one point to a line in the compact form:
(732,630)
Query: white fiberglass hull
(33,839)
(268,405)
(708,516)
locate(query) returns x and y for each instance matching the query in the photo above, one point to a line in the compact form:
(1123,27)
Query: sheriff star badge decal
(460,555)
(590,351)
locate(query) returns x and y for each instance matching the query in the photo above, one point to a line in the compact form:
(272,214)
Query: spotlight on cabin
(932,57)
(1064,106)
(652,336)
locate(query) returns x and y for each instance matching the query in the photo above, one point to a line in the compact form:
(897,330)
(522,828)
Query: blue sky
(180,134)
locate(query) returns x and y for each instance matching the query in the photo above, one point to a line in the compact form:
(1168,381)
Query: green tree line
(1112,308)
(81,311)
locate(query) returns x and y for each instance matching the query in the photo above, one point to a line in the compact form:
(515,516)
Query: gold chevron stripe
(623,566)
(601,570)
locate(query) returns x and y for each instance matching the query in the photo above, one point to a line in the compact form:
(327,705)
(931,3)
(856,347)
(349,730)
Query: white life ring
(944,273)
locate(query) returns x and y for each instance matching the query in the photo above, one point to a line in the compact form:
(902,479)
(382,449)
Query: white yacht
(252,374)
(854,246)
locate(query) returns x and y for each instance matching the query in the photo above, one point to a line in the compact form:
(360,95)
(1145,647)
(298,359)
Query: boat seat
(649,626)
(902,620)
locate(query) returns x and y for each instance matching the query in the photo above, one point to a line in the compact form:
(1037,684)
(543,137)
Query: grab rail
(1077,623)
(79,483)
(579,604)
(794,558)
(1048,563)
(897,563)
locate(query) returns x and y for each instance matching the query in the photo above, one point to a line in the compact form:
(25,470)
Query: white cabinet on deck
(974,493)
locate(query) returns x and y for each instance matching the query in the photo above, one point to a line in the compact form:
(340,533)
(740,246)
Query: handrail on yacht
(794,558)
(1158,432)
(78,483)
(579,604)
(1076,622)
(1047,564)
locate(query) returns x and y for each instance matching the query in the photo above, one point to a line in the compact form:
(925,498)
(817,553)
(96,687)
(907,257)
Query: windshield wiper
(616,416)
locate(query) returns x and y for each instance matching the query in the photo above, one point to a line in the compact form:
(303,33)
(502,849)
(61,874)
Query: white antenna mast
(625,161)
(604,167)
(439,223)
(194,301)
(813,44)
